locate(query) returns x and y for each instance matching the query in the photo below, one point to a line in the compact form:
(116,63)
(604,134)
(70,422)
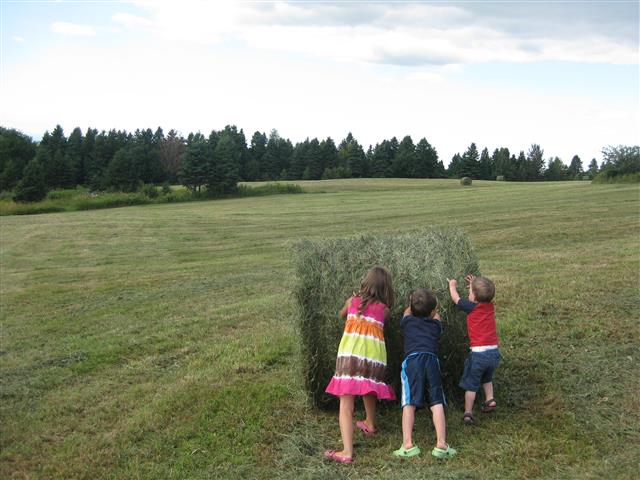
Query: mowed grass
(158,341)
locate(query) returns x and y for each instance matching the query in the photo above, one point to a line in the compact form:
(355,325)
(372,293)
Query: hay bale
(500,178)
(465,181)
(328,271)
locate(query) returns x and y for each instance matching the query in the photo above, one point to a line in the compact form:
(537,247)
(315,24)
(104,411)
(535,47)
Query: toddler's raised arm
(453,290)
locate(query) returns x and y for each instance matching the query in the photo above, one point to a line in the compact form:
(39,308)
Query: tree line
(121,160)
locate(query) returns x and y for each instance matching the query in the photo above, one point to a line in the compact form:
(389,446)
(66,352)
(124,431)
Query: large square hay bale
(328,271)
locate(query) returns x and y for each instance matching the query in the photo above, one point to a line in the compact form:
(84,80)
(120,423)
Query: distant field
(157,341)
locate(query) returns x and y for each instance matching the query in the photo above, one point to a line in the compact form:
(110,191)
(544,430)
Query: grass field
(158,342)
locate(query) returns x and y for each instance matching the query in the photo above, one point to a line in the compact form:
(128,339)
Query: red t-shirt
(481,323)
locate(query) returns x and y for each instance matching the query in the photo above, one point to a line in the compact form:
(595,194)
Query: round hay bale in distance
(500,178)
(327,271)
(465,181)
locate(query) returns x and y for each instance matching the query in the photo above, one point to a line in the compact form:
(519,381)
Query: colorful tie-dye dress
(362,355)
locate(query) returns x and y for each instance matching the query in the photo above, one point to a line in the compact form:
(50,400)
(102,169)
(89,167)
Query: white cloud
(398,34)
(17,39)
(73,29)
(322,70)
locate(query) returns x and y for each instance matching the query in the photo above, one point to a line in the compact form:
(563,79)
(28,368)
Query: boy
(422,331)
(483,338)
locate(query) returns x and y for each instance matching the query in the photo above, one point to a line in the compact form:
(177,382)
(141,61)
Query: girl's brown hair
(376,287)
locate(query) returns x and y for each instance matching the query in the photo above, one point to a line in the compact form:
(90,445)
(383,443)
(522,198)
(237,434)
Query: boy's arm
(469,278)
(405,314)
(453,290)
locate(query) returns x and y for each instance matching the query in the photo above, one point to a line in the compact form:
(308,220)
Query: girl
(362,358)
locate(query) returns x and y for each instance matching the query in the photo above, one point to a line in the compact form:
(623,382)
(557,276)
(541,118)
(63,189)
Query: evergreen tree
(145,158)
(329,153)
(32,187)
(593,168)
(256,156)
(226,174)
(382,159)
(502,164)
(575,168)
(55,142)
(58,171)
(426,164)
(194,166)
(16,150)
(556,170)
(470,165)
(314,161)
(123,171)
(74,158)
(534,165)
(403,165)
(170,154)
(271,159)
(520,166)
(455,167)
(351,158)
(485,167)
(88,154)
(299,161)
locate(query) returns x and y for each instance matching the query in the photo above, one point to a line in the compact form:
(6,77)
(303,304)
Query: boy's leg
(408,419)
(346,425)
(469,399)
(439,422)
(370,409)
(488,391)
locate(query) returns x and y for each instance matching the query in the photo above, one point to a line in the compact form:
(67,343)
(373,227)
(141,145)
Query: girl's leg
(408,419)
(370,409)
(346,425)
(437,413)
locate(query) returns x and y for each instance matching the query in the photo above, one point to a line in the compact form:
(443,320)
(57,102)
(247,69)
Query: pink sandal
(332,455)
(366,430)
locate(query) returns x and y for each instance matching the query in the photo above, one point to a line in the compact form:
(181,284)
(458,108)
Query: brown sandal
(468,418)
(489,406)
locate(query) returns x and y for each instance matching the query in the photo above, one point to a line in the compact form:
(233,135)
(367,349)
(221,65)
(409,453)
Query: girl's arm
(345,308)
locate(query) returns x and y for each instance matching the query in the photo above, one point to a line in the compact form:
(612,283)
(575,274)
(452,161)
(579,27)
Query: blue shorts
(479,368)
(419,370)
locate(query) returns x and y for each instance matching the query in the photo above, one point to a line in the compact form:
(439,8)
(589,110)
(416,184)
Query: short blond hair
(483,288)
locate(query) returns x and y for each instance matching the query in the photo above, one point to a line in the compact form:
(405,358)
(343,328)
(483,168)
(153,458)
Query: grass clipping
(328,271)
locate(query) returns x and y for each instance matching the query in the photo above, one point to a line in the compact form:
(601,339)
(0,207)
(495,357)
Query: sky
(561,74)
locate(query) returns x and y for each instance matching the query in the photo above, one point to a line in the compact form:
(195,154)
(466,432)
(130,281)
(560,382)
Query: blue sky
(561,74)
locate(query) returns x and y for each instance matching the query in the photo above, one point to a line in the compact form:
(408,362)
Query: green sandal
(407,452)
(443,452)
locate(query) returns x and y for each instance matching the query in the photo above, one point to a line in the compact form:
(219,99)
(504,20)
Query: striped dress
(362,355)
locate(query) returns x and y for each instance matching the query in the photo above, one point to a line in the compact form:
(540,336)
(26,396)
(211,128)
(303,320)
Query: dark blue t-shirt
(466,306)
(421,334)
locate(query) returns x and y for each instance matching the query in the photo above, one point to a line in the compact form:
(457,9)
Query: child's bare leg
(488,391)
(370,409)
(469,398)
(346,425)
(439,422)
(408,418)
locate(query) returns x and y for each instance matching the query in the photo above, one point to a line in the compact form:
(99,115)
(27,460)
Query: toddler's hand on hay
(453,283)
(469,278)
